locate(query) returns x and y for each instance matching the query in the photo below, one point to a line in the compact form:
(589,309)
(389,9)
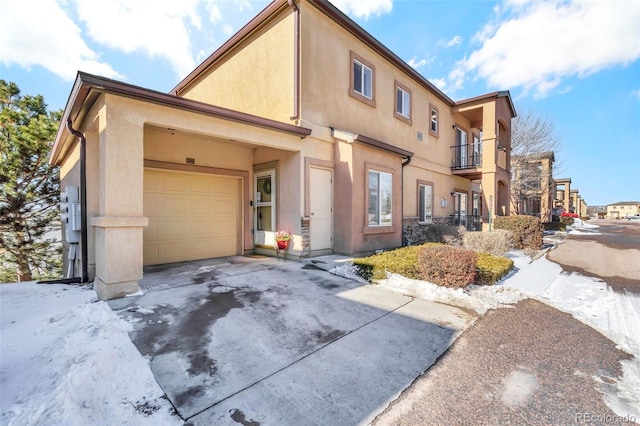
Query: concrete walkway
(262,341)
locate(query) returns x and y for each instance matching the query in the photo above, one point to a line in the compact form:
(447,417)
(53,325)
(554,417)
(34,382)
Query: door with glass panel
(265,208)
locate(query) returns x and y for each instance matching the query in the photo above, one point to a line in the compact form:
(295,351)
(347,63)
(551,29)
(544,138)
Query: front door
(265,208)
(321,204)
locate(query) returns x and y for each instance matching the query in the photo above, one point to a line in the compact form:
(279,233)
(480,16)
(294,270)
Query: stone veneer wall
(414,232)
(305,225)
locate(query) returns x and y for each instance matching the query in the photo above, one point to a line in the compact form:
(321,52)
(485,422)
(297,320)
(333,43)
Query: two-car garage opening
(191,216)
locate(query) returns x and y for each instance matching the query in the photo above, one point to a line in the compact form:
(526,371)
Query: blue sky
(575,63)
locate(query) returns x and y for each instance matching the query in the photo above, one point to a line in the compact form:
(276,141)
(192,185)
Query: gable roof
(87,88)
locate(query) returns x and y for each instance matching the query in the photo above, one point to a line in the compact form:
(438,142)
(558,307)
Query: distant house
(301,121)
(623,209)
(533,189)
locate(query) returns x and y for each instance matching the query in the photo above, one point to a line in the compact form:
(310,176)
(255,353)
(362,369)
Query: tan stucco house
(623,209)
(533,189)
(302,121)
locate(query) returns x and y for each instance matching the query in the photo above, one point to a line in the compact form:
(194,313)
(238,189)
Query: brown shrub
(496,242)
(527,230)
(447,266)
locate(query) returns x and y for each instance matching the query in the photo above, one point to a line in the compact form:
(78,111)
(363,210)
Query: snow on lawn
(67,359)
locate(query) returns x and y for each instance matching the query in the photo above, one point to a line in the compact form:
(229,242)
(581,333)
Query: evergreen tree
(29,188)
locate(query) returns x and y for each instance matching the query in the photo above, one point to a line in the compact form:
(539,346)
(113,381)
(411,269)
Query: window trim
(352,91)
(433,108)
(382,228)
(421,183)
(396,114)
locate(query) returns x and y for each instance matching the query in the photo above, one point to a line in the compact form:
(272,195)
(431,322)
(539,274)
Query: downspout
(404,163)
(296,61)
(83,199)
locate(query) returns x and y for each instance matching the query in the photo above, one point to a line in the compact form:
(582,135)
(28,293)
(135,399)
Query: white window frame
(403,102)
(377,217)
(364,83)
(434,125)
(425,199)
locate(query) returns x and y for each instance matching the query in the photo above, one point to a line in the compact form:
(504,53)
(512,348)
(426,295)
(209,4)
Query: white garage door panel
(191,216)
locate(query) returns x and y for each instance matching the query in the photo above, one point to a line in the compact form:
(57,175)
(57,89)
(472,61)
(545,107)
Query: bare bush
(496,242)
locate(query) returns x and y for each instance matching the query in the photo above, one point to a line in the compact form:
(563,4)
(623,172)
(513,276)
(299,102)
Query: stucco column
(119,225)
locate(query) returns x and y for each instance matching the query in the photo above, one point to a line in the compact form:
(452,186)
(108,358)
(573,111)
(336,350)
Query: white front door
(265,208)
(321,204)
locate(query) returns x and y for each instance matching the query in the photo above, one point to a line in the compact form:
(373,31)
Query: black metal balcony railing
(466,156)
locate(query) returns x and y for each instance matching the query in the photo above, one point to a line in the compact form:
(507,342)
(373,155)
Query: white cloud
(455,41)
(635,94)
(537,44)
(39,33)
(227,30)
(159,28)
(415,63)
(362,8)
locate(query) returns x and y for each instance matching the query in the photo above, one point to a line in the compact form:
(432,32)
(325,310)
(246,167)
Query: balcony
(466,160)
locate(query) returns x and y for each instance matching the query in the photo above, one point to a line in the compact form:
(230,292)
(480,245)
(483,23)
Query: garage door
(191,216)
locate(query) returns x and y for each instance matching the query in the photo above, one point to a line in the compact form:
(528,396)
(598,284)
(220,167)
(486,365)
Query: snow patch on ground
(580,227)
(348,270)
(67,359)
(592,301)
(477,298)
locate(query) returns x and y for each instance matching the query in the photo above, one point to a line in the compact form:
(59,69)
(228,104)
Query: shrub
(491,269)
(447,266)
(527,230)
(401,261)
(568,221)
(496,242)
(555,226)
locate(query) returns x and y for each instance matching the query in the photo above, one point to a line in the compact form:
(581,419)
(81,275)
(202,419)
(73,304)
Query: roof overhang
(356,137)
(493,95)
(87,89)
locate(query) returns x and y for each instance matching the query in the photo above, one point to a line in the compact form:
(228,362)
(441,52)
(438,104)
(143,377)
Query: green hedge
(527,230)
(491,269)
(401,261)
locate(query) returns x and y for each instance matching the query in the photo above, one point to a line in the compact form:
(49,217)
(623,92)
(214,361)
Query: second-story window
(433,124)
(362,79)
(403,103)
(363,83)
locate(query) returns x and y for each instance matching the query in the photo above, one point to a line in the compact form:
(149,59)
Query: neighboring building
(597,212)
(533,189)
(623,209)
(301,121)
(563,194)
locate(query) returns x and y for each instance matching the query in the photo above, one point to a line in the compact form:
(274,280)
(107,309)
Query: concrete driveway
(261,341)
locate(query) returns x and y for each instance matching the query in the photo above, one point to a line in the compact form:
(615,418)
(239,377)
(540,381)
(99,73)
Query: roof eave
(87,83)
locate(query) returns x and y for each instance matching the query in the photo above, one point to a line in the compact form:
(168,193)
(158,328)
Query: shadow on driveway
(258,341)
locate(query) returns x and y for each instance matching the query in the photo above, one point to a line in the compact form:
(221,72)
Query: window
(403,103)
(363,84)
(380,198)
(362,75)
(425,203)
(433,126)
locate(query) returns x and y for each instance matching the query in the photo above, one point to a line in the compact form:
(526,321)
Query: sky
(572,63)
